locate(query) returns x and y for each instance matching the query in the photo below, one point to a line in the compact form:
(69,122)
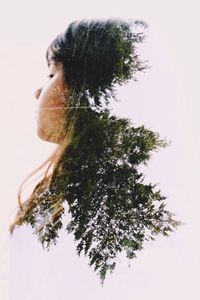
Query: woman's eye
(50,75)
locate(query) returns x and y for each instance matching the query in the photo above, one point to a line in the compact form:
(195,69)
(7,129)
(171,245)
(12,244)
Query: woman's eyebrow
(52,61)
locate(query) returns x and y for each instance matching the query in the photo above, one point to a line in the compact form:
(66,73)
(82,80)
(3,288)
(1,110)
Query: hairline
(51,58)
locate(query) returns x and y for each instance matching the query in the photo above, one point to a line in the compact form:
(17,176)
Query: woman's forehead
(51,59)
(50,54)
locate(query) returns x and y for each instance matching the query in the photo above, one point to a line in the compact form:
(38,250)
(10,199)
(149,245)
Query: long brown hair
(53,162)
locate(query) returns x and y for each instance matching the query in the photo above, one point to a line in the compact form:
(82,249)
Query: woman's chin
(48,137)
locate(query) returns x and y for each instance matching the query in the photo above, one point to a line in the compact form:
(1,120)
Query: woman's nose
(37,93)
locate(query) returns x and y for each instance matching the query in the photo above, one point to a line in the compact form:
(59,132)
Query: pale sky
(165,99)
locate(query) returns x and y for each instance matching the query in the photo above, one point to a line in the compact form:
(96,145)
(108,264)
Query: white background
(165,99)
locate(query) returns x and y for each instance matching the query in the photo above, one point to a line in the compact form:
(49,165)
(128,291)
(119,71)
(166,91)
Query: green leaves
(96,55)
(112,209)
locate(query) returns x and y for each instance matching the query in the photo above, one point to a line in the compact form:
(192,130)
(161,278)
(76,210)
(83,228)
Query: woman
(95,166)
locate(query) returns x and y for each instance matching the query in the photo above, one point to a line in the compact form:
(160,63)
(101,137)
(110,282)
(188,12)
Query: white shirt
(35,273)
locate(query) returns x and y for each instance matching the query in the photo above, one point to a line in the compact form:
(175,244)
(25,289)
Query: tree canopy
(111,207)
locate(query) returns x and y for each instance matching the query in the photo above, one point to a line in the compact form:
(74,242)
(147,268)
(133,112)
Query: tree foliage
(112,208)
(97,55)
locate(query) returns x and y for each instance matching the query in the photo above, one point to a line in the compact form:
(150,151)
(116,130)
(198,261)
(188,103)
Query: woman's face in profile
(50,121)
